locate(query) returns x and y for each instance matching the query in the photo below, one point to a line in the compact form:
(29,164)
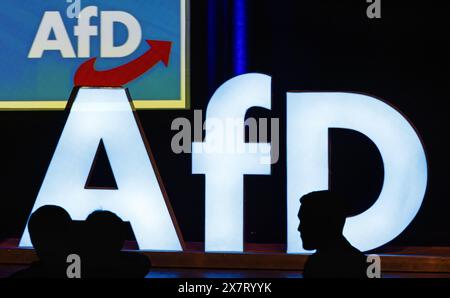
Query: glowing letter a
(106,114)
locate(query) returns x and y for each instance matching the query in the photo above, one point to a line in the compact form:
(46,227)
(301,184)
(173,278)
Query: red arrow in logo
(87,76)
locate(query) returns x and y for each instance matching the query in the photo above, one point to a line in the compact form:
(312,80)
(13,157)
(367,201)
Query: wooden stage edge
(404,260)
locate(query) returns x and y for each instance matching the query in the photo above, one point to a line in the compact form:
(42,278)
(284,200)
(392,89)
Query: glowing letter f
(106,115)
(224,158)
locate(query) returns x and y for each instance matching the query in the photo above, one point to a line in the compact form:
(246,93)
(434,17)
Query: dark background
(318,45)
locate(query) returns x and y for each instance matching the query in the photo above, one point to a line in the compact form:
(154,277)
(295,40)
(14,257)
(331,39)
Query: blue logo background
(50,78)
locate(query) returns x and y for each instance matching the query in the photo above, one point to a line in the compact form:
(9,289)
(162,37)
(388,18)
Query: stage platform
(258,261)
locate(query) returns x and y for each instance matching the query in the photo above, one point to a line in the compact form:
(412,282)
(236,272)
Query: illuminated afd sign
(110,36)
(224,158)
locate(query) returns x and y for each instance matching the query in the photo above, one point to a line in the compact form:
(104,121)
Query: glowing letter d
(309,116)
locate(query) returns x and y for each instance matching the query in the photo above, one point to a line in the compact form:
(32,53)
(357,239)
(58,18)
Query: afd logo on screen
(52,46)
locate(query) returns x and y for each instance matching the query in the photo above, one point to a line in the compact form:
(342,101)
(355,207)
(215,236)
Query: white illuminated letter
(224,166)
(309,117)
(84,31)
(108,49)
(106,114)
(52,21)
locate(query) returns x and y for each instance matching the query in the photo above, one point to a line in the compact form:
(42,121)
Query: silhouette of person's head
(322,218)
(105,237)
(106,232)
(49,228)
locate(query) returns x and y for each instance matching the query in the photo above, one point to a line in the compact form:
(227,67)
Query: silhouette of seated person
(49,229)
(322,218)
(102,251)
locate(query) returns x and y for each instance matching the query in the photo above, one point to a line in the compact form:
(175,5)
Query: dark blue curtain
(227,40)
